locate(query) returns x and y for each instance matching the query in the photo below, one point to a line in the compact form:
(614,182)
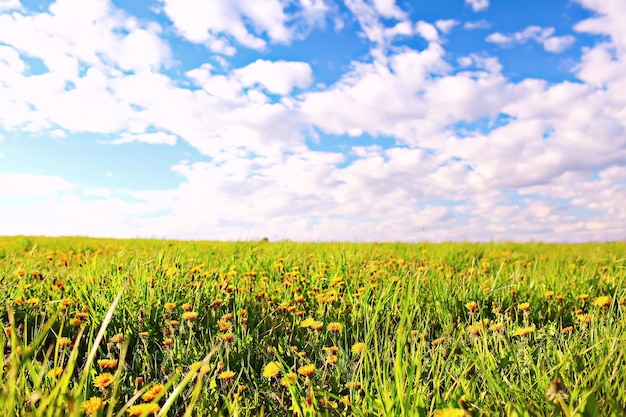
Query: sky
(314,120)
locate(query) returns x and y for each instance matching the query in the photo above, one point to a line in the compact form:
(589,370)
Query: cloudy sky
(315,120)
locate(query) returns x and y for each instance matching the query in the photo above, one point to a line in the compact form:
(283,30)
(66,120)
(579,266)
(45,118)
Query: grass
(120,327)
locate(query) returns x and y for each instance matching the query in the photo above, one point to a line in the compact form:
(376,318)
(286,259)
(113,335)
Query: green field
(121,327)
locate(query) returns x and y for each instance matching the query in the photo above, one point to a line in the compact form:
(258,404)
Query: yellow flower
(190,315)
(306,323)
(224,326)
(186,307)
(107,363)
(471,306)
(358,348)
(353,385)
(33,301)
(332,360)
(549,295)
(63,341)
(170,306)
(55,372)
(271,370)
(603,301)
(331,350)
(475,328)
(523,331)
(103,380)
(118,338)
(288,379)
(153,393)
(334,327)
(317,325)
(583,296)
(524,306)
(226,375)
(143,409)
(307,370)
(92,405)
(228,337)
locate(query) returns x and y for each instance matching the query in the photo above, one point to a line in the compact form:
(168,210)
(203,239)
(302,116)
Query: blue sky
(361,120)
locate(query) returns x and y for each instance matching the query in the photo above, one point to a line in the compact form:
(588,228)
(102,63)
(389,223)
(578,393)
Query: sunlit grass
(136,327)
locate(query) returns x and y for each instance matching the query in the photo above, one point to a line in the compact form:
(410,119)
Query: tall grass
(117,327)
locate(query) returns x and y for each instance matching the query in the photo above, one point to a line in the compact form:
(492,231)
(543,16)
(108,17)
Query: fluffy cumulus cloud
(404,143)
(543,36)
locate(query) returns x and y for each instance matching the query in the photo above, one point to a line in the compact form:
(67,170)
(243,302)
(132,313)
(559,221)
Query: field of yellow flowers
(94,327)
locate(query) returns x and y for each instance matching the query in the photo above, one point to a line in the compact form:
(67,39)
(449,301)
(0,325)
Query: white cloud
(478,5)
(427,31)
(279,77)
(446,25)
(543,36)
(478,24)
(32,185)
(10,5)
(156,138)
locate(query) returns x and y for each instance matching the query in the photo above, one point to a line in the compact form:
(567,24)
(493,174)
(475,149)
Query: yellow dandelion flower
(271,370)
(186,307)
(143,409)
(103,380)
(226,375)
(306,323)
(107,363)
(228,337)
(439,341)
(228,317)
(567,329)
(583,296)
(332,359)
(307,370)
(76,322)
(153,393)
(524,331)
(334,327)
(524,306)
(118,338)
(168,341)
(190,315)
(472,306)
(170,306)
(92,405)
(33,301)
(497,327)
(288,379)
(603,301)
(358,348)
(63,342)
(143,335)
(224,326)
(353,385)
(475,329)
(317,325)
(549,295)
(331,350)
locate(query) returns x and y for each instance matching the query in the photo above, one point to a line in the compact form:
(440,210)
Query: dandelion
(153,393)
(524,306)
(228,317)
(170,306)
(76,322)
(168,341)
(358,348)
(549,295)
(271,370)
(143,409)
(439,341)
(138,382)
(92,405)
(224,326)
(216,303)
(307,370)
(603,301)
(331,350)
(524,331)
(332,359)
(66,303)
(190,315)
(143,335)
(317,325)
(186,307)
(475,328)
(226,375)
(353,385)
(228,337)
(103,380)
(118,338)
(567,329)
(55,372)
(472,306)
(63,342)
(175,323)
(33,301)
(107,363)
(497,327)
(289,379)
(583,297)
(306,323)
(334,327)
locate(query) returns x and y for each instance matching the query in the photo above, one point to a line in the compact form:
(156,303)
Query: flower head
(92,405)
(307,370)
(107,363)
(143,409)
(334,327)
(226,375)
(271,370)
(603,301)
(153,393)
(358,348)
(190,315)
(103,380)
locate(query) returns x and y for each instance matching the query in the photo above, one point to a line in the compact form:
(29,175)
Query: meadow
(96,327)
